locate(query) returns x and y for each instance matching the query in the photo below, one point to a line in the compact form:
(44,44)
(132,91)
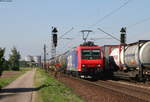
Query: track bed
(105,91)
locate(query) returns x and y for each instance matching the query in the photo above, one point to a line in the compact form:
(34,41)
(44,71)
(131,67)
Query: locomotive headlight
(98,65)
(83,65)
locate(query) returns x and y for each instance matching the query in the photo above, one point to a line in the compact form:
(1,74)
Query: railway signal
(123,35)
(54,41)
(54,34)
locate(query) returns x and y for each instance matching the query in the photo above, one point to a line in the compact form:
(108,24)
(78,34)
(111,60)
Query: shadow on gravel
(17,90)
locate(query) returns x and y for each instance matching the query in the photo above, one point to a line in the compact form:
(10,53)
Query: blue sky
(27,24)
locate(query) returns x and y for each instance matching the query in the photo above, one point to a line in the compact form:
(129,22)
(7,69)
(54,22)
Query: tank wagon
(131,60)
(84,60)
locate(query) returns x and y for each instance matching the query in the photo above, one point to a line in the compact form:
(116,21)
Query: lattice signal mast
(54,42)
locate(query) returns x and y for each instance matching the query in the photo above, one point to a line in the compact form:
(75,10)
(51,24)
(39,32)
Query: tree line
(13,61)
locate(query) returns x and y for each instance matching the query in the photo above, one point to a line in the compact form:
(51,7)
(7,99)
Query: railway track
(137,91)
(140,92)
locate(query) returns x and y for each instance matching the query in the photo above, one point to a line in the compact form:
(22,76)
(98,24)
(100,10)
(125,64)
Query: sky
(27,24)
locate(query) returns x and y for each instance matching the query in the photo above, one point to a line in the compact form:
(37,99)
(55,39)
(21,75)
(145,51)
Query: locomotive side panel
(72,61)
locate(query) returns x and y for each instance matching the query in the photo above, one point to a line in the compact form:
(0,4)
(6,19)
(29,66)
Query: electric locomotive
(85,60)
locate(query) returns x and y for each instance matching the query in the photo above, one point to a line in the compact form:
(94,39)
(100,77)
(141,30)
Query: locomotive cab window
(86,52)
(90,53)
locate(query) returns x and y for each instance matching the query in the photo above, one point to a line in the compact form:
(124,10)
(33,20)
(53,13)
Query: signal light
(123,38)
(55,39)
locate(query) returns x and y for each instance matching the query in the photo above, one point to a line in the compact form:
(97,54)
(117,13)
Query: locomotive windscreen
(90,53)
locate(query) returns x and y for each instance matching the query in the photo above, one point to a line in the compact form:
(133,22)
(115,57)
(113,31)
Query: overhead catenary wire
(112,12)
(108,34)
(99,38)
(72,43)
(66,33)
(138,23)
(103,18)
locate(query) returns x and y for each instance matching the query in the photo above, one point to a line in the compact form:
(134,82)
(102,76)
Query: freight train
(124,61)
(128,61)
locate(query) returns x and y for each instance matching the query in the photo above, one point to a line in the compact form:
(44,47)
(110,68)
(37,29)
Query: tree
(14,59)
(24,63)
(6,65)
(2,51)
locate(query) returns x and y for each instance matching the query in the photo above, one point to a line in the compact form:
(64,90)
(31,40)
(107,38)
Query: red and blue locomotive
(84,60)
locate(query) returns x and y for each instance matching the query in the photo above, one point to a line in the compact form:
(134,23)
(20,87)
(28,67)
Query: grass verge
(51,90)
(7,80)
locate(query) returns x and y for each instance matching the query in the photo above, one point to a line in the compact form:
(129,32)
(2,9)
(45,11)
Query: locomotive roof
(89,43)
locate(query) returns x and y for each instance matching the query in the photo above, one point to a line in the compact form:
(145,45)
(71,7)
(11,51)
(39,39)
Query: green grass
(6,81)
(52,90)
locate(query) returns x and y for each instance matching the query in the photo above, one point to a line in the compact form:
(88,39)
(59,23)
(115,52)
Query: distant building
(28,58)
(33,60)
(37,59)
